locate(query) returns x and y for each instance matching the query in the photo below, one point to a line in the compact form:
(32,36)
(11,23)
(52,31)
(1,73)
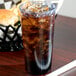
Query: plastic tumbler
(37,33)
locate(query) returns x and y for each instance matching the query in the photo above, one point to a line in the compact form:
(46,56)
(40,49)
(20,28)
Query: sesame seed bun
(7,17)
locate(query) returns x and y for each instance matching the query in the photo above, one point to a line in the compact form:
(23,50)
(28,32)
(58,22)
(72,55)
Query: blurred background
(68,8)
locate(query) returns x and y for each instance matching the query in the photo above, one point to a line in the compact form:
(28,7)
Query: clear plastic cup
(38,31)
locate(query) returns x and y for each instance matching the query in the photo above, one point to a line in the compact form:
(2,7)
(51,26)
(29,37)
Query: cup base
(33,69)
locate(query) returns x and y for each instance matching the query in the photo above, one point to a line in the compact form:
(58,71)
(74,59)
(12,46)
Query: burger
(10,31)
(7,17)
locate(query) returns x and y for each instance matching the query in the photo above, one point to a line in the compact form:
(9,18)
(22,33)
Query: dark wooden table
(12,63)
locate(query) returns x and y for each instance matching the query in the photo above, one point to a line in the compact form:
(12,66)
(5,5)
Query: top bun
(7,17)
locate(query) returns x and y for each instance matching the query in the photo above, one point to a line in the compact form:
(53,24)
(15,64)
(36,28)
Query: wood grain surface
(12,63)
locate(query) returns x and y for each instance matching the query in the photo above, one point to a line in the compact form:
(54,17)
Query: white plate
(63,69)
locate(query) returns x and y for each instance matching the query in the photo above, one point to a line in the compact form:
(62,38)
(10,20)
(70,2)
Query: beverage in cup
(37,33)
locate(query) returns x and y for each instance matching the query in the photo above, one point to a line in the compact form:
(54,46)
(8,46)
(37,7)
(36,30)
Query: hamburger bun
(7,17)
